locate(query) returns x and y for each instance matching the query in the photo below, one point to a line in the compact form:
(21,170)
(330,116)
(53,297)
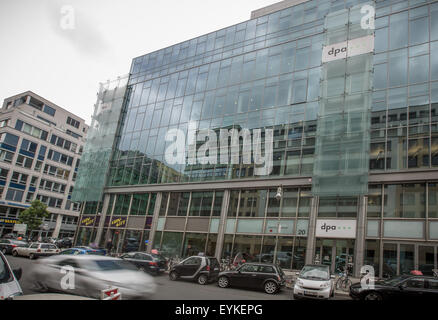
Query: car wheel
(142,269)
(4,251)
(296,297)
(373,296)
(202,279)
(14,253)
(31,256)
(173,276)
(223,282)
(271,287)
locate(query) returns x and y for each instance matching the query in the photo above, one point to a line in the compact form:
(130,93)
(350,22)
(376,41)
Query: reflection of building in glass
(355,142)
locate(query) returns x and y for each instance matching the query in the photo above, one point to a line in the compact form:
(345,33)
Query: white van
(9,286)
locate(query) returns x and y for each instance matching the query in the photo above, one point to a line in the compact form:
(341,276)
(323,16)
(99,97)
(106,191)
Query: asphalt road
(173,290)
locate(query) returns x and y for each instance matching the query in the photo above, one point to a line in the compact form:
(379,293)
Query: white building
(40,149)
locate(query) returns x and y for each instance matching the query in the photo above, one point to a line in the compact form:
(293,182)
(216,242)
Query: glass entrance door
(335,253)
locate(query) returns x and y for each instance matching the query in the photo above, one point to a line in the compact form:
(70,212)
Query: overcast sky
(40,52)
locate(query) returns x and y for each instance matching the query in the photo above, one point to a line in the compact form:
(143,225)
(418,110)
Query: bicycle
(343,283)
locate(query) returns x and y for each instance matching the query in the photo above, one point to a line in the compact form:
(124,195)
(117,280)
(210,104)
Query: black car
(266,276)
(64,243)
(148,262)
(197,268)
(6,245)
(401,287)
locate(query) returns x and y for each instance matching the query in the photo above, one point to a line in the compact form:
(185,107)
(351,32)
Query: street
(174,290)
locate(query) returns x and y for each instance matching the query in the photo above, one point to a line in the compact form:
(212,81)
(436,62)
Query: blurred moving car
(9,286)
(147,262)
(314,281)
(91,275)
(6,245)
(98,251)
(398,288)
(36,250)
(266,276)
(197,268)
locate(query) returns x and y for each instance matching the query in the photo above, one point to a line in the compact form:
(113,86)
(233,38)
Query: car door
(4,244)
(412,289)
(431,290)
(246,276)
(27,251)
(129,257)
(189,267)
(142,260)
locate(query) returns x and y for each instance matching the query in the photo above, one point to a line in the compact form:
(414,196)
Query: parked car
(92,274)
(9,286)
(35,250)
(98,251)
(76,251)
(64,243)
(147,262)
(6,245)
(196,268)
(266,276)
(314,281)
(398,288)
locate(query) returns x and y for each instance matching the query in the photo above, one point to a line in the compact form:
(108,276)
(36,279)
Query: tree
(33,216)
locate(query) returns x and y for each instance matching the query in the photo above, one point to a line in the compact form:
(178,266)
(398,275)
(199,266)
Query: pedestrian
(109,246)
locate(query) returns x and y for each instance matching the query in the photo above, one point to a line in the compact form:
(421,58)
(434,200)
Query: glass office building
(343,95)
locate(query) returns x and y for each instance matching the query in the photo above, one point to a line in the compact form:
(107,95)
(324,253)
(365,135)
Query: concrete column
(359,249)
(154,221)
(102,218)
(311,239)
(55,233)
(222,225)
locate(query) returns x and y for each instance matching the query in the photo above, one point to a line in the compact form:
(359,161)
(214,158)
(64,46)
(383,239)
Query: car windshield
(315,273)
(20,243)
(110,265)
(5,274)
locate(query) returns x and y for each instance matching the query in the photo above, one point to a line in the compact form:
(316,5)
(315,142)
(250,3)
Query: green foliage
(33,216)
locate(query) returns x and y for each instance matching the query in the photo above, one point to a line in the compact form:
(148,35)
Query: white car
(314,281)
(9,286)
(87,275)
(35,250)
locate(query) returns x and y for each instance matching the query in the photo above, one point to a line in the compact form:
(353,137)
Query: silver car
(9,286)
(87,275)
(35,250)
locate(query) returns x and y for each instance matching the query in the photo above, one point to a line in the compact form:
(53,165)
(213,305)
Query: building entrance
(336,253)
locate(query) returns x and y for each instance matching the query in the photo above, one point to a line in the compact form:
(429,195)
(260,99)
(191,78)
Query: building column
(311,239)
(55,233)
(222,225)
(155,218)
(359,247)
(102,218)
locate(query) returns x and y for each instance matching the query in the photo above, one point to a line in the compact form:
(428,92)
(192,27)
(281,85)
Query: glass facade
(354,138)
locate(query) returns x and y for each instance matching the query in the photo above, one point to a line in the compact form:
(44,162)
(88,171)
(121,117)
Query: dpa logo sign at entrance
(336,228)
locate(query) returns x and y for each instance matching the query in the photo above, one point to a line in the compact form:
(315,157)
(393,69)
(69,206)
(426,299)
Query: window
(14,195)
(6,156)
(49,110)
(9,139)
(29,129)
(73,122)
(249,268)
(4,123)
(3,173)
(60,157)
(414,283)
(28,146)
(23,161)
(36,103)
(18,177)
(38,166)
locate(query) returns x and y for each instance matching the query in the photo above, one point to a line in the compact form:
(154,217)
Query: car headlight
(300,283)
(325,285)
